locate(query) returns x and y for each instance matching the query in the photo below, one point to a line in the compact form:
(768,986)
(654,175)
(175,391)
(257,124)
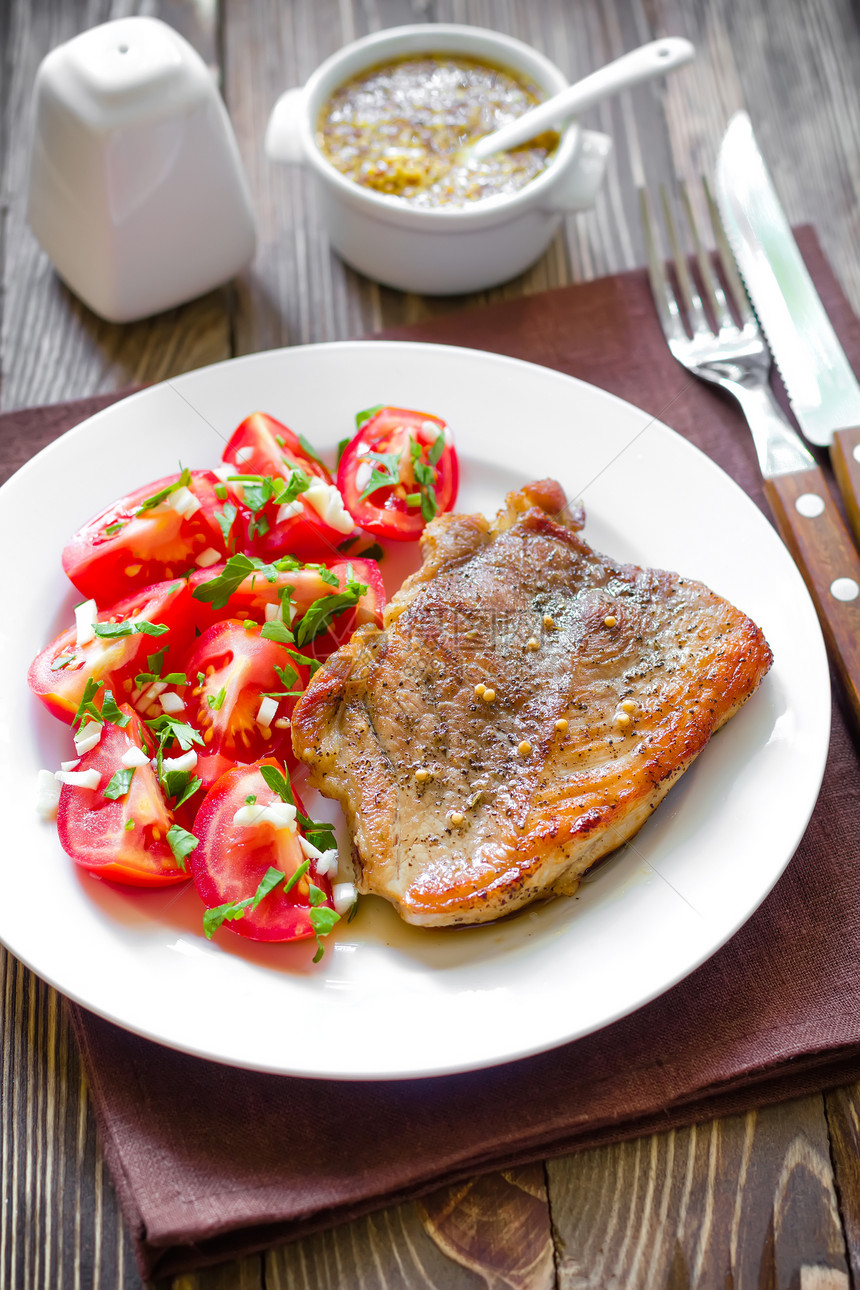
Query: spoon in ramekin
(641,64)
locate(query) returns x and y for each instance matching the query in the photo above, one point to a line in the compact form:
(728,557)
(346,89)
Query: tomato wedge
(59,674)
(122,837)
(302,532)
(398,472)
(260,592)
(263,446)
(140,539)
(309,525)
(239,668)
(232,860)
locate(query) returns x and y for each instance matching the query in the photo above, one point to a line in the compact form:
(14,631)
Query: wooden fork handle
(812,529)
(845,459)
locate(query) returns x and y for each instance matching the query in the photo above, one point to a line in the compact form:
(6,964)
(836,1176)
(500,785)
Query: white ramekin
(438,252)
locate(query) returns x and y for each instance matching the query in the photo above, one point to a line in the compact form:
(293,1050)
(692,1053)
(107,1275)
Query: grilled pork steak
(526,707)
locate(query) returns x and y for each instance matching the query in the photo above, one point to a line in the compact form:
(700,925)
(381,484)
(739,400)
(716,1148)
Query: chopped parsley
(181,843)
(225,518)
(279,782)
(178,785)
(157,498)
(299,873)
(319,833)
(425,477)
(277,631)
(154,663)
(322,918)
(384,475)
(213,918)
(288,490)
(330,578)
(361,418)
(319,615)
(131,627)
(256,490)
(86,707)
(309,449)
(169,728)
(216,701)
(239,567)
(111,712)
(119,783)
(288,677)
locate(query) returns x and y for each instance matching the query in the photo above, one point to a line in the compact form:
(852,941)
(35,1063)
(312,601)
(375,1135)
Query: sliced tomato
(238,667)
(231,860)
(263,446)
(122,838)
(313,525)
(60,673)
(395,474)
(338,627)
(260,592)
(136,541)
(210,767)
(303,534)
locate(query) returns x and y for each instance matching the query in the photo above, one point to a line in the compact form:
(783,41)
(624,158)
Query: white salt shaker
(137,192)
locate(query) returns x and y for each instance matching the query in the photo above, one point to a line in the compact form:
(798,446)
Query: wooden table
(770,1199)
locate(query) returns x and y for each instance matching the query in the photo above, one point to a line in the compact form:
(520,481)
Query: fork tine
(664,297)
(689,295)
(727,262)
(713,291)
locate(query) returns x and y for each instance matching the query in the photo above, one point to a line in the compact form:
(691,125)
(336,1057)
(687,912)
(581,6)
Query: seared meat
(602,682)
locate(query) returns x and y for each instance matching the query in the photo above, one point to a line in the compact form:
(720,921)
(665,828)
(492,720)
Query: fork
(734,356)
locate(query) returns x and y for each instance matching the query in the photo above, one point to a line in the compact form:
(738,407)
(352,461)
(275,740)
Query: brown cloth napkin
(211,1162)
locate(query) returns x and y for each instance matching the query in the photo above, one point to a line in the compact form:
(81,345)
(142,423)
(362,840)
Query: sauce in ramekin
(404,128)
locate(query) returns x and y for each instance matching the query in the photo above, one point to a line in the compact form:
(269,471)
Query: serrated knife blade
(824,392)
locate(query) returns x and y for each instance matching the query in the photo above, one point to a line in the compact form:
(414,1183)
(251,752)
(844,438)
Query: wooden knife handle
(845,459)
(812,528)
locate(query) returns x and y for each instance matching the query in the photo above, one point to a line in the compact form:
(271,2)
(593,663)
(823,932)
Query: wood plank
(843,1118)
(497,1226)
(493,1231)
(296,291)
(60,1220)
(747,1202)
(239,1274)
(794,69)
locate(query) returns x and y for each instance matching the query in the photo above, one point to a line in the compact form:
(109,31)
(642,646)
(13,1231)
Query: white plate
(389,1000)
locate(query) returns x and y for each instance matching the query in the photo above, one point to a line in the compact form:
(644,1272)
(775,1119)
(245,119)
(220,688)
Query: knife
(823,391)
(822,388)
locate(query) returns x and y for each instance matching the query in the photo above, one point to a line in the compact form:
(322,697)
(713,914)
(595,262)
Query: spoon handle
(639,65)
